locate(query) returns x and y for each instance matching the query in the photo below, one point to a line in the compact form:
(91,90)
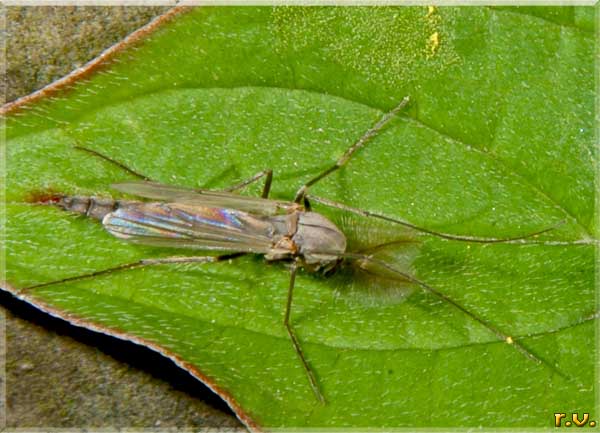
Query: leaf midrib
(509,169)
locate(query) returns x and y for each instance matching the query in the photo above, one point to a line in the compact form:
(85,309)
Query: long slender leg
(301,194)
(265,192)
(367,213)
(502,336)
(286,321)
(266,188)
(139,264)
(115,162)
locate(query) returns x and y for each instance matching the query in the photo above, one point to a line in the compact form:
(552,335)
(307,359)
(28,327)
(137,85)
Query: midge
(224,221)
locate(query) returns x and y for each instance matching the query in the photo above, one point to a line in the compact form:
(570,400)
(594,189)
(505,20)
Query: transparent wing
(205,198)
(185,226)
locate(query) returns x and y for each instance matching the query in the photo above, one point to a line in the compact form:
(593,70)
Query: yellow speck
(433,43)
(509,340)
(430,11)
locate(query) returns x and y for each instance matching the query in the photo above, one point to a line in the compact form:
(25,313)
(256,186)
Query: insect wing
(185,226)
(205,198)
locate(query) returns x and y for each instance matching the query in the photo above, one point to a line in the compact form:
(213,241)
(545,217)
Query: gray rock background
(57,375)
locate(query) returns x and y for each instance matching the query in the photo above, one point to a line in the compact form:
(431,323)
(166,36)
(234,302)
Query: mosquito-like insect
(224,221)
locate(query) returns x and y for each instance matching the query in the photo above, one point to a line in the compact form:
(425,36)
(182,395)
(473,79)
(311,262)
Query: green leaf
(498,142)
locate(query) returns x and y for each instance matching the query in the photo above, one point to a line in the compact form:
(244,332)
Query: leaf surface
(498,142)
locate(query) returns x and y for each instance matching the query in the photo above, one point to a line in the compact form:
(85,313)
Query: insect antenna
(366,213)
(367,260)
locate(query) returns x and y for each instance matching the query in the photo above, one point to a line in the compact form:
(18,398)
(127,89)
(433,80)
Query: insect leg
(301,194)
(502,336)
(268,174)
(366,213)
(286,321)
(139,264)
(266,188)
(115,162)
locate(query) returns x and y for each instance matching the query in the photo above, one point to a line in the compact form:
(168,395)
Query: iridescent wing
(186,226)
(205,198)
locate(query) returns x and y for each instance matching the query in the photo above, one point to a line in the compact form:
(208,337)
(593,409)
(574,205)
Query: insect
(237,225)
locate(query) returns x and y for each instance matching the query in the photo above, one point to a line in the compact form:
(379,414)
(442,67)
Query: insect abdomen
(93,207)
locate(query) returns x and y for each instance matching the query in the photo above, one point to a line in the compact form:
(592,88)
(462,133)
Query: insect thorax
(320,243)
